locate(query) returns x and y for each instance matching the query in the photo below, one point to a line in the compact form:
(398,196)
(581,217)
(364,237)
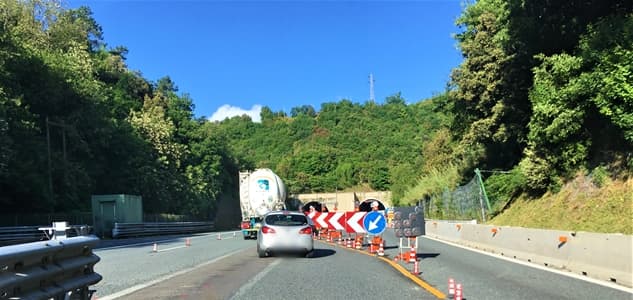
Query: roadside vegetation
(579,206)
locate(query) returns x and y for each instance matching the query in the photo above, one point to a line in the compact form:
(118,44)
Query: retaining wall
(606,257)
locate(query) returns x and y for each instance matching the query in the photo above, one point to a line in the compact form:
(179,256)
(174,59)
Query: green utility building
(109,209)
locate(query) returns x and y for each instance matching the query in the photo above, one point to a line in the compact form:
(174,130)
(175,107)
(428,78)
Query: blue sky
(237,56)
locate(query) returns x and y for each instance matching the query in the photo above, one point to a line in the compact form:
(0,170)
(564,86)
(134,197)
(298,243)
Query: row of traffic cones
(376,246)
(188,241)
(454,290)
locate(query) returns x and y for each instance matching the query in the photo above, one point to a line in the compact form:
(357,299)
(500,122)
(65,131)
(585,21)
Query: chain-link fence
(466,202)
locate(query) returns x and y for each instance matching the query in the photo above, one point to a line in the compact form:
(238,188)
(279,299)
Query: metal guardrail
(58,269)
(27,234)
(121,230)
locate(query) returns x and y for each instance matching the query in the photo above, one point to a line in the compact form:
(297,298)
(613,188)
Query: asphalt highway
(228,268)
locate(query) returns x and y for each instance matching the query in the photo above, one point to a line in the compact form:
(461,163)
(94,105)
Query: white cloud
(227,111)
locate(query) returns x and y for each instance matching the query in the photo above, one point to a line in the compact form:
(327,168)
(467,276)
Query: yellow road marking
(417,280)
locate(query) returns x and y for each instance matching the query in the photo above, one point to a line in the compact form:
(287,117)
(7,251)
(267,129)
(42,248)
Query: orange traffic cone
(416,268)
(458,292)
(413,256)
(155,248)
(188,242)
(451,288)
(381,249)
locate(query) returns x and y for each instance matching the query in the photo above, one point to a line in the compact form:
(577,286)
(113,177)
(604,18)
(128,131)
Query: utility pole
(371,88)
(50,165)
(51,193)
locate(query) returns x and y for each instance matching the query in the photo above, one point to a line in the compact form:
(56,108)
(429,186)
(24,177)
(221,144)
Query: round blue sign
(375,223)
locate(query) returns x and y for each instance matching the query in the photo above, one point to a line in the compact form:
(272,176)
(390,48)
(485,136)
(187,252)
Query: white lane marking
(205,235)
(166,277)
(172,248)
(537,266)
(243,291)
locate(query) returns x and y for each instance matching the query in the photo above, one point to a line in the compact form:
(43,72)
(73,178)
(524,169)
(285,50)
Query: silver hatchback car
(285,231)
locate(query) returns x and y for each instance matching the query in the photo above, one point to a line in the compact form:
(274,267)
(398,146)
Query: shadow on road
(427,255)
(318,253)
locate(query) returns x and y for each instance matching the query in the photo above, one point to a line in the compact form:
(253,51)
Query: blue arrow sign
(375,223)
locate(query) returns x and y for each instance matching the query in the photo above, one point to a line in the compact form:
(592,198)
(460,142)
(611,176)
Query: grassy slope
(579,206)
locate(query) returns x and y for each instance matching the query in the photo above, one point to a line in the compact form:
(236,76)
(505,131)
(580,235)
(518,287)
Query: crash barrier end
(49,269)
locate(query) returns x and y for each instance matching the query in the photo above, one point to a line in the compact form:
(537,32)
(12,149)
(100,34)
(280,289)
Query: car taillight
(246,225)
(267,229)
(307,230)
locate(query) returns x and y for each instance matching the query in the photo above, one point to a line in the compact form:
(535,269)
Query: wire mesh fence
(466,202)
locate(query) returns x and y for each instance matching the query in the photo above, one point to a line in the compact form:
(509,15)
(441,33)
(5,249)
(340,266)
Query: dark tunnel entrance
(317,207)
(366,205)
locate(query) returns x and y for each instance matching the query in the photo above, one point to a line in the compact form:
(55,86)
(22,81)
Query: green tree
(582,103)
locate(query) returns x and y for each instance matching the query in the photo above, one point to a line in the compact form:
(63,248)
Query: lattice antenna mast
(371,88)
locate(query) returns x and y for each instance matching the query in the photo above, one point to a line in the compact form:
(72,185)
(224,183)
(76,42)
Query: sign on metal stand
(408,223)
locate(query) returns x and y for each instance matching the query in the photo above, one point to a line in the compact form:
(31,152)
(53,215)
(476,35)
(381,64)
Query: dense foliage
(545,90)
(75,121)
(546,85)
(370,145)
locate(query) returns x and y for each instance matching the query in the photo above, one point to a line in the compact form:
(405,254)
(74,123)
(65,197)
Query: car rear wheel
(260,252)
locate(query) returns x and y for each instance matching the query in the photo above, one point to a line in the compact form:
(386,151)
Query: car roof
(286,212)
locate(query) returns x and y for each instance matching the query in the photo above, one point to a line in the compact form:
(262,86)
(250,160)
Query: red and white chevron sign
(312,214)
(351,222)
(320,220)
(354,222)
(336,222)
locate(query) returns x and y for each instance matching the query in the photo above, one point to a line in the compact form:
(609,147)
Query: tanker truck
(261,191)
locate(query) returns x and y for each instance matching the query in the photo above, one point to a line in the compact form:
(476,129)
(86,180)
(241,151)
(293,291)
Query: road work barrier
(596,255)
(59,269)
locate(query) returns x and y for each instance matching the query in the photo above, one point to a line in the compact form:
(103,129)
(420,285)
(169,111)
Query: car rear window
(286,220)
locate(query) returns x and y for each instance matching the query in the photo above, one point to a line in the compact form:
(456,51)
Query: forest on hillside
(544,92)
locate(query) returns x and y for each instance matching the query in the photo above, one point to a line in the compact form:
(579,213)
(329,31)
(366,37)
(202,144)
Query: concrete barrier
(606,257)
